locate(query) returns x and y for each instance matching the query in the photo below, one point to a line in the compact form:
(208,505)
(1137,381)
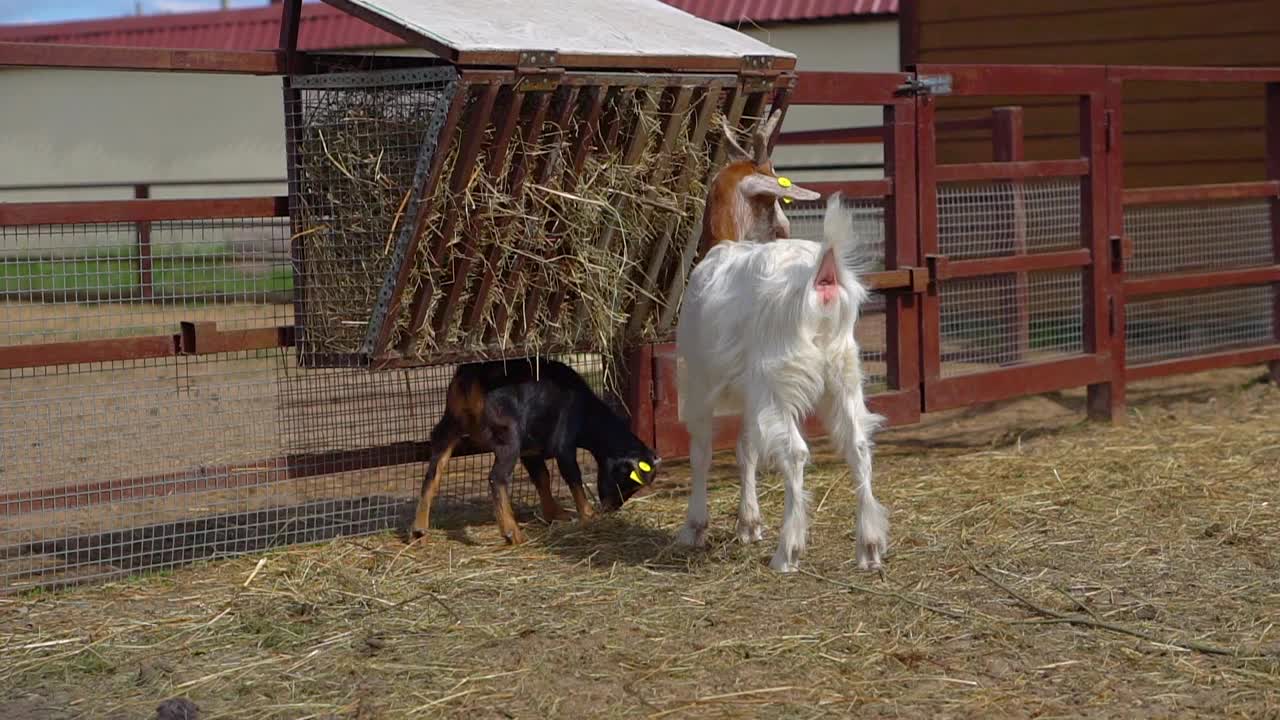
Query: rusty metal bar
(443,144)
(582,147)
(534,296)
(1201,193)
(146,346)
(473,138)
(674,126)
(102,57)
(1187,282)
(106,211)
(143,233)
(541,102)
(509,118)
(1025,170)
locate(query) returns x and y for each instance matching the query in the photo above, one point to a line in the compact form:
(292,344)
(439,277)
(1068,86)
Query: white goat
(768,328)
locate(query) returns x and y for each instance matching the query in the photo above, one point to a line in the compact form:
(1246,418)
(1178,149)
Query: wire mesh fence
(999,320)
(1204,236)
(1007,217)
(1190,324)
(125,465)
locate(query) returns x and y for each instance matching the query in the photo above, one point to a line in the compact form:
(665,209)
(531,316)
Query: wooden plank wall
(1176,133)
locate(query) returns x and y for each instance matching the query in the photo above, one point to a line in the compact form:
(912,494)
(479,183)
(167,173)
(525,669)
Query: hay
(546,246)
(1166,529)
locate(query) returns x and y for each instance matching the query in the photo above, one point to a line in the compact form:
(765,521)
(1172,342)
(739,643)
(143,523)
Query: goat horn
(764,132)
(734,147)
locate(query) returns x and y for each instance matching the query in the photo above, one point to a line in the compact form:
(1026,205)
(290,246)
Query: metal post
(143,232)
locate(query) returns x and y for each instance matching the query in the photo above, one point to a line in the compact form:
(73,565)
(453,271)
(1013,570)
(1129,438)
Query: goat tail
(838,255)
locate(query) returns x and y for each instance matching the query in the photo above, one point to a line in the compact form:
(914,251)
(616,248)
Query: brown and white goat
(743,200)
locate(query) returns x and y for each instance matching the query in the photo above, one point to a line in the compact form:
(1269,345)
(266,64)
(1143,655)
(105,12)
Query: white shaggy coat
(754,333)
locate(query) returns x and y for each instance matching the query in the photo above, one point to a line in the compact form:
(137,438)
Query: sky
(46,11)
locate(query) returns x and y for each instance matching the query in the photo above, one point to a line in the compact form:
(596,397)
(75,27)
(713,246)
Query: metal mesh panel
(1005,217)
(111,467)
(999,320)
(364,144)
(868,225)
(1183,238)
(1198,323)
(72,282)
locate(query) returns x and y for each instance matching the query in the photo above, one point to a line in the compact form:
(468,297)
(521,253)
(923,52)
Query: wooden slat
(1201,193)
(1200,363)
(956,269)
(868,189)
(1188,282)
(101,57)
(846,88)
(1018,381)
(1025,170)
(1014,79)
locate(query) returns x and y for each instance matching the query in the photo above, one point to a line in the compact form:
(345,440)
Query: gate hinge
(925,85)
(536,71)
(755,73)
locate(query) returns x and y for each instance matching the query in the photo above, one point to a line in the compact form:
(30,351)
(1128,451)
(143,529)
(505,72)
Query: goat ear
(781,188)
(764,133)
(736,151)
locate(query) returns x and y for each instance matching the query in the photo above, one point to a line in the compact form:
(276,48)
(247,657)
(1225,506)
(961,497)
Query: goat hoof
(784,564)
(750,532)
(416,532)
(870,561)
(692,535)
(516,538)
(560,515)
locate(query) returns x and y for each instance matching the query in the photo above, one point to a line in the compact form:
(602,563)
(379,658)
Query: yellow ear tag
(635,476)
(645,467)
(784,182)
(786,201)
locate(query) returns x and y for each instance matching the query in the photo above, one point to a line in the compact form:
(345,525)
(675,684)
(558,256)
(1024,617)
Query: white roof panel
(569,27)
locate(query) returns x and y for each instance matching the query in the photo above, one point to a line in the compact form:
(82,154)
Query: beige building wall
(78,126)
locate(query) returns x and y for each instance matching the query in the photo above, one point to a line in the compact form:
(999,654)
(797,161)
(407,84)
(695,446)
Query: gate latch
(925,85)
(1121,252)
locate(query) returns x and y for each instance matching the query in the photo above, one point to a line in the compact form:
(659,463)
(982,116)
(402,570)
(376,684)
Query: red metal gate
(1019,298)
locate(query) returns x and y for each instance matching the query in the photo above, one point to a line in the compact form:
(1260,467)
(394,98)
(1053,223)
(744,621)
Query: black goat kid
(532,410)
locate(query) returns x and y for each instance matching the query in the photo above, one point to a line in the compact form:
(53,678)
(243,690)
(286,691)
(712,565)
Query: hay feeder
(533,186)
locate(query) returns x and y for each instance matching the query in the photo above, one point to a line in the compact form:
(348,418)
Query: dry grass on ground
(1041,566)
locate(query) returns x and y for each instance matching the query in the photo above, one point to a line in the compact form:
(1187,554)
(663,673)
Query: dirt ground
(1041,566)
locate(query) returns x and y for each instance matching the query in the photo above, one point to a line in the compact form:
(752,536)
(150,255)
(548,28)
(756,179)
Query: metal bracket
(535,71)
(925,85)
(754,73)
(1121,252)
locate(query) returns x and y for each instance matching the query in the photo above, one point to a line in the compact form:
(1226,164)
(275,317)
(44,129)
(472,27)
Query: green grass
(186,275)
